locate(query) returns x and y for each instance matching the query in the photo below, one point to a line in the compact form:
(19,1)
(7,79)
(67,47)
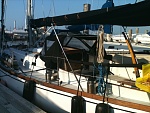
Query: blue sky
(15,9)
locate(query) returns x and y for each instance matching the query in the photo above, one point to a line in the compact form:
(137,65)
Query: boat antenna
(2,24)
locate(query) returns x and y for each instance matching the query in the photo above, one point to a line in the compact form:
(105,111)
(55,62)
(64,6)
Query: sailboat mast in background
(2,24)
(29,16)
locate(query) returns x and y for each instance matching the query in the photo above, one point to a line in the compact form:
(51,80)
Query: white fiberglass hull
(56,101)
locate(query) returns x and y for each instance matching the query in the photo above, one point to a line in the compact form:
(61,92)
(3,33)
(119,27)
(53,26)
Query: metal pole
(29,16)
(2,25)
(67,59)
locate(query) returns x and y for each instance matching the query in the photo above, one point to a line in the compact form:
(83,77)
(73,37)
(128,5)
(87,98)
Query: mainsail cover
(125,15)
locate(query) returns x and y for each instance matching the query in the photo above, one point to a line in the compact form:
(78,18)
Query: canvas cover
(125,15)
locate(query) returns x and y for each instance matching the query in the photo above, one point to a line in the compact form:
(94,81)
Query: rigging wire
(49,12)
(98,4)
(33,7)
(68,6)
(43,9)
(118,2)
(67,58)
(54,13)
(5,9)
(91,5)
(79,81)
(24,6)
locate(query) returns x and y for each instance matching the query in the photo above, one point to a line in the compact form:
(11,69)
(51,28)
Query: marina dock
(10,102)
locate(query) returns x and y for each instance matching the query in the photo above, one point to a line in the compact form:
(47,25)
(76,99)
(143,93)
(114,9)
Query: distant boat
(120,38)
(142,38)
(17,37)
(20,34)
(68,71)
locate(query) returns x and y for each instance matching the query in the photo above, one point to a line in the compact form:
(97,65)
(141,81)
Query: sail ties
(66,18)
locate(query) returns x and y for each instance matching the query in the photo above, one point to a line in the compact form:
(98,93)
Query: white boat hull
(53,100)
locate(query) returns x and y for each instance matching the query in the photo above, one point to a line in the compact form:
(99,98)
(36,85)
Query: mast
(2,25)
(29,16)
(86,7)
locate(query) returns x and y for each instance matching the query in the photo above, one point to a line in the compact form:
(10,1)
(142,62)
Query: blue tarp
(108,28)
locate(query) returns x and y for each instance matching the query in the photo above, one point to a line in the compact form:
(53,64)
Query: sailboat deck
(32,73)
(41,77)
(121,80)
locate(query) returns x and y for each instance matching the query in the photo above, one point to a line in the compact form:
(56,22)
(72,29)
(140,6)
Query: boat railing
(78,65)
(52,68)
(60,59)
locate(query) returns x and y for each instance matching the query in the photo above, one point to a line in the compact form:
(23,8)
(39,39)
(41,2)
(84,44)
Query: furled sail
(124,15)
